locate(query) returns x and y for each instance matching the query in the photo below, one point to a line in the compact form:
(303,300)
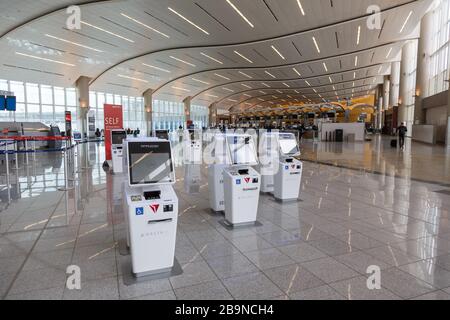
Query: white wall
(424,133)
(437,116)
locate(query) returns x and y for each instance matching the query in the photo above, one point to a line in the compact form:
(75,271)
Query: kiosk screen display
(117,137)
(162,134)
(242,150)
(150,162)
(288,144)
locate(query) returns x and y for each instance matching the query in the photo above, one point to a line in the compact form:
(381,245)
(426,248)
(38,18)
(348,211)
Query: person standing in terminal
(401,135)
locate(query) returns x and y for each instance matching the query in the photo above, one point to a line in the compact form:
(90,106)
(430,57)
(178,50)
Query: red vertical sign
(113,120)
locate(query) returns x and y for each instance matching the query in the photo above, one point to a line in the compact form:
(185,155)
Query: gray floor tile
(429,271)
(331,246)
(302,252)
(30,280)
(193,273)
(320,293)
(293,278)
(231,266)
(251,243)
(356,289)
(59,259)
(143,288)
(329,270)
(217,249)
(213,290)
(359,241)
(392,256)
(436,295)
(404,284)
(166,295)
(269,258)
(46,294)
(261,287)
(360,261)
(281,238)
(103,289)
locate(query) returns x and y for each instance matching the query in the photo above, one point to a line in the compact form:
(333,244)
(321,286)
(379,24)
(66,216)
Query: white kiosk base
(241,186)
(287,180)
(152,214)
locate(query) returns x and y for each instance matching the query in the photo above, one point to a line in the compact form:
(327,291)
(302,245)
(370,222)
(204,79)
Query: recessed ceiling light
(353,84)
(278,52)
(247,95)
(189,21)
(275,97)
(156,68)
(290,97)
(106,31)
(325,66)
(182,89)
(211,95)
(265,84)
(248,104)
(296,91)
(389,53)
(296,71)
(262,92)
(331,80)
(245,85)
(201,81)
(220,76)
(315,43)
(306,81)
(334,88)
(226,89)
(261,99)
(359,35)
(280,92)
(74,43)
(354,75)
(231,100)
(270,74)
(301,7)
(286,85)
(242,56)
(406,21)
(45,59)
(356,61)
(240,13)
(182,61)
(319,95)
(304,96)
(379,70)
(209,57)
(245,75)
(374,79)
(144,25)
(315,91)
(132,78)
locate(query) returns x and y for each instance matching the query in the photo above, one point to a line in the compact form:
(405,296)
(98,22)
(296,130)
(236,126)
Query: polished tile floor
(316,248)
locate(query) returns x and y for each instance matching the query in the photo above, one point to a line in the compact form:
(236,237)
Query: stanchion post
(16,144)
(34,150)
(26,151)
(7,172)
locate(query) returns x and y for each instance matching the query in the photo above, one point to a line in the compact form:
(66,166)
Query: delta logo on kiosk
(154,207)
(247,180)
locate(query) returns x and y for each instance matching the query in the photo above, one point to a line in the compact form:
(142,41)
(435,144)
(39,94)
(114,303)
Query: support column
(82,87)
(395,84)
(148,112)
(187,110)
(213,114)
(406,90)
(423,66)
(386,93)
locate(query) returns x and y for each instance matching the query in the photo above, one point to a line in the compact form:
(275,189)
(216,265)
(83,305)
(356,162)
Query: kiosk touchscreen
(192,146)
(215,173)
(288,177)
(241,182)
(151,205)
(117,138)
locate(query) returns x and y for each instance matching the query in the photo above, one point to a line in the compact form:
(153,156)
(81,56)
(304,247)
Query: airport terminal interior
(225,150)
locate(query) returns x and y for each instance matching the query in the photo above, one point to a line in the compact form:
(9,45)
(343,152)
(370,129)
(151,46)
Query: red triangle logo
(247,180)
(154,207)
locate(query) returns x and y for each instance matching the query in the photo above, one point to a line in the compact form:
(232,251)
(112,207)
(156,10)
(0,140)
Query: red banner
(113,120)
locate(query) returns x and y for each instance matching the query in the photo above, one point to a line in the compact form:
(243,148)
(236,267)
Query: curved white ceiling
(238,53)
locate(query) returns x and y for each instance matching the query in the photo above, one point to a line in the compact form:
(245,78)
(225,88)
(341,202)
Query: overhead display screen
(11,103)
(2,103)
(242,150)
(150,162)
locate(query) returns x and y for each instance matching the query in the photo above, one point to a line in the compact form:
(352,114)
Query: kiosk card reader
(241,182)
(215,173)
(117,138)
(151,205)
(192,146)
(288,178)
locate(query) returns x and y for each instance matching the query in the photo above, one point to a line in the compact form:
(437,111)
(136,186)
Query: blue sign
(139,211)
(238,181)
(287,167)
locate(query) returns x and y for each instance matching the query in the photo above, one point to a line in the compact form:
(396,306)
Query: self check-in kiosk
(151,205)
(215,173)
(241,182)
(117,138)
(192,146)
(288,177)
